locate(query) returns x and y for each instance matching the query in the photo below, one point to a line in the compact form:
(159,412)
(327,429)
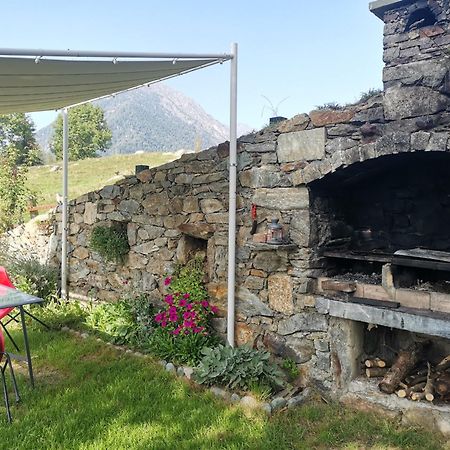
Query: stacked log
(411,377)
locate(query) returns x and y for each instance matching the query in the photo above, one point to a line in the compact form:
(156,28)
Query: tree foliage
(88,133)
(18,149)
(17,137)
(14,195)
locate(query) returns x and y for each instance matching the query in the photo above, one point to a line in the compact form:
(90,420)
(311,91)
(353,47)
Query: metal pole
(64,293)
(232,198)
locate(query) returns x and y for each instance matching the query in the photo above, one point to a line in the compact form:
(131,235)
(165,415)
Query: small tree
(17,137)
(88,133)
(14,195)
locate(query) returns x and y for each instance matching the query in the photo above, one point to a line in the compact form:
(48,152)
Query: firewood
(419,374)
(401,393)
(412,381)
(429,387)
(416,396)
(417,387)
(405,361)
(376,362)
(443,365)
(374,372)
(442,384)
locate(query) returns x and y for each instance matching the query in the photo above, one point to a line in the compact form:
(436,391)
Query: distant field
(87,175)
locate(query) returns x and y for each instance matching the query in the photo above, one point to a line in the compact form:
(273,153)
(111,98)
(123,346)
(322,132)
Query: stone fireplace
(363,195)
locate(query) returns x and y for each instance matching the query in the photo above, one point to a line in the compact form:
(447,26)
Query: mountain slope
(155,118)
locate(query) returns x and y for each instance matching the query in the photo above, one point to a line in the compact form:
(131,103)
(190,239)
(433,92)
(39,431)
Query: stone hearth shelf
(415,320)
(265,247)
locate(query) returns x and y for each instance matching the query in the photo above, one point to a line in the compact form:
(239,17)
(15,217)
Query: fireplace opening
(390,210)
(422,17)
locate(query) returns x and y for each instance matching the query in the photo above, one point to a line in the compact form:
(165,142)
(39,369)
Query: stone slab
(307,145)
(379,7)
(425,322)
(282,198)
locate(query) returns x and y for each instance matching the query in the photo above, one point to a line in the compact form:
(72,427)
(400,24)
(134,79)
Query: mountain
(154,118)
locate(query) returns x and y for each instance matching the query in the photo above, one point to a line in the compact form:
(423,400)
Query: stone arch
(389,144)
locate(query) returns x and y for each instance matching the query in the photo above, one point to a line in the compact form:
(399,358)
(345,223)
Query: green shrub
(114,320)
(27,273)
(189,279)
(142,311)
(241,367)
(41,280)
(291,369)
(180,349)
(57,314)
(111,243)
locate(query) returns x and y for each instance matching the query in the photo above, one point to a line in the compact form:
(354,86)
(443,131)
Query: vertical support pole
(64,293)
(232,198)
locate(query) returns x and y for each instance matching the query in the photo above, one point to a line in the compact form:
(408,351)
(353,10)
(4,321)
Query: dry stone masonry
(371,176)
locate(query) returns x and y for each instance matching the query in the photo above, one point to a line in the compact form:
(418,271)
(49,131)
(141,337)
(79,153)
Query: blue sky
(307,52)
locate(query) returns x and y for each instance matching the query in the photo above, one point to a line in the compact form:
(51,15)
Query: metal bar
(27,345)
(36,319)
(232,199)
(110,54)
(5,396)
(9,336)
(64,205)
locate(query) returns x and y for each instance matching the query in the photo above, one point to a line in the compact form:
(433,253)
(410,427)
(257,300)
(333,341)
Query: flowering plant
(184,314)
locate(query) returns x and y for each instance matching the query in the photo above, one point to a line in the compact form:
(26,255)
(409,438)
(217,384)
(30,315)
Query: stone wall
(181,207)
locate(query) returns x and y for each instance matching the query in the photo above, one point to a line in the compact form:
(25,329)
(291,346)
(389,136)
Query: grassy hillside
(87,175)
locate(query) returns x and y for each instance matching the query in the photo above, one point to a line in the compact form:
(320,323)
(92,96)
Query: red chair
(5,281)
(4,356)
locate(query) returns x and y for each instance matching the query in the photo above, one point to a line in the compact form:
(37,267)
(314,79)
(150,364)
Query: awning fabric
(28,86)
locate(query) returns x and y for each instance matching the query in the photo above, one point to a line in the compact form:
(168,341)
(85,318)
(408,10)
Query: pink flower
(159,317)
(173,318)
(176,331)
(164,323)
(188,324)
(187,315)
(214,309)
(197,329)
(173,310)
(167,281)
(186,296)
(169,299)
(183,302)
(205,303)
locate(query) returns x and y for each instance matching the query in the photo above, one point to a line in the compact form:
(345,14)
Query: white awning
(29,84)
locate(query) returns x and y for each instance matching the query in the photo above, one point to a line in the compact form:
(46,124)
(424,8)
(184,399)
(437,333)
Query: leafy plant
(183,326)
(27,273)
(189,279)
(369,94)
(291,369)
(330,106)
(110,242)
(240,367)
(115,320)
(181,349)
(58,313)
(142,312)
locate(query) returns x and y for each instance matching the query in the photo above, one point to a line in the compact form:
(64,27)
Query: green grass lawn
(91,396)
(87,175)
